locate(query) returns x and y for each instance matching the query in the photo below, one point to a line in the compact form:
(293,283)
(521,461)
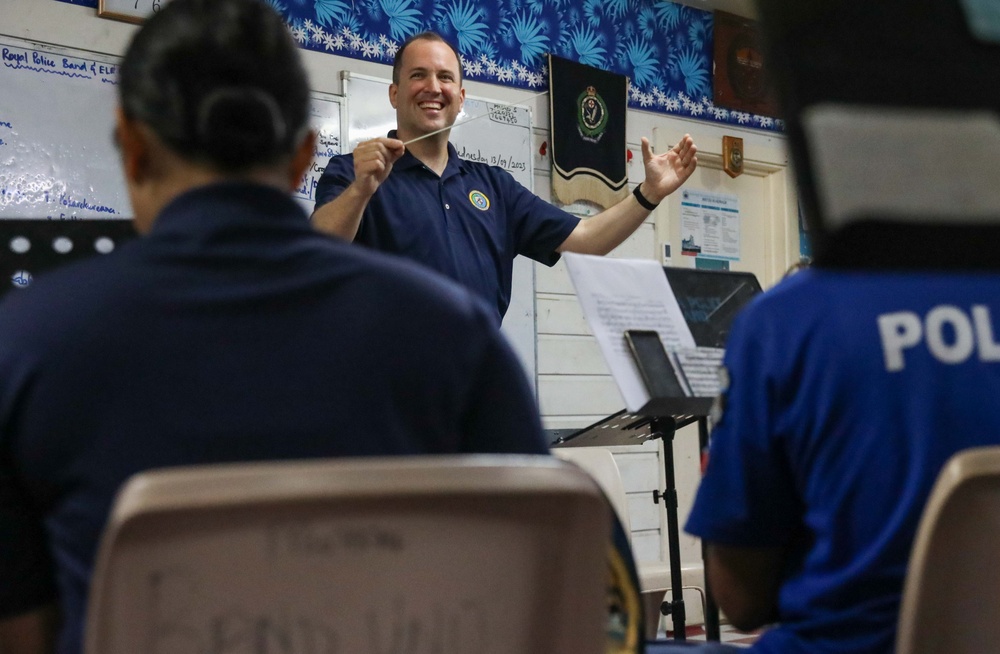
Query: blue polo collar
(219,206)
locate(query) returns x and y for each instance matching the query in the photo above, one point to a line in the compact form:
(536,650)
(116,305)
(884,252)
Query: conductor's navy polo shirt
(467,224)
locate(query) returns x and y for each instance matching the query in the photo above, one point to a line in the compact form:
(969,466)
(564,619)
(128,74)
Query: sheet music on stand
(619,295)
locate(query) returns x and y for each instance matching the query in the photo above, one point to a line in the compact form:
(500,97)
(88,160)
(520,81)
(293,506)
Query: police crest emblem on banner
(592,116)
(587,110)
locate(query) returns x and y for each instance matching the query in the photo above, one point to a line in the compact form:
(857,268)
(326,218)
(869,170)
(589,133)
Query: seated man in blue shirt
(230,330)
(465,219)
(851,383)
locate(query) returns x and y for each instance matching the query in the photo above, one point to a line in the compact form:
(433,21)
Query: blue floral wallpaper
(664,48)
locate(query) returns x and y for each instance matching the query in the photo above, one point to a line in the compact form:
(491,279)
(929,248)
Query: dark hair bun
(239,124)
(220,81)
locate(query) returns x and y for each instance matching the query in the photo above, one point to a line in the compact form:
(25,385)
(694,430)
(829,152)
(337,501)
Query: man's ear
(393,90)
(301,159)
(134,148)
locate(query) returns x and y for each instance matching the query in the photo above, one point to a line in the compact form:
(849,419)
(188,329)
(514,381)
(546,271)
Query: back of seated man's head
(892,111)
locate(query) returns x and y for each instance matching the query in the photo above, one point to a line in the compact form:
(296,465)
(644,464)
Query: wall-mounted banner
(587,107)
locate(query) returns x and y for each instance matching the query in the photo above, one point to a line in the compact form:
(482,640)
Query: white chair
(601,465)
(404,554)
(950,599)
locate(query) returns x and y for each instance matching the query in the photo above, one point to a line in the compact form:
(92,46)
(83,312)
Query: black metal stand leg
(711,608)
(665,428)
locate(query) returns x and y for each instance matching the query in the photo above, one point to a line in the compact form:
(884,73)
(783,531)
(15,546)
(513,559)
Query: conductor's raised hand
(666,172)
(373,162)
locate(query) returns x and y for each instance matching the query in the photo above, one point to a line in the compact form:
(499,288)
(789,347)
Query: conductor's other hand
(373,162)
(666,172)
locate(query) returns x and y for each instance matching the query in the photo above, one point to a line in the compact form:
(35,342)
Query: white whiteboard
(499,134)
(57,158)
(326,118)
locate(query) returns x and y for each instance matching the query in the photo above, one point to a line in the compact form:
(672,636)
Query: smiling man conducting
(464,219)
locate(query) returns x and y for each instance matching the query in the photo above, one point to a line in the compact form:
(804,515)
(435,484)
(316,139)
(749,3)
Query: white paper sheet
(621,294)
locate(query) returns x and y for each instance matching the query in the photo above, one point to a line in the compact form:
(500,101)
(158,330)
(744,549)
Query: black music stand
(708,300)
(666,414)
(659,418)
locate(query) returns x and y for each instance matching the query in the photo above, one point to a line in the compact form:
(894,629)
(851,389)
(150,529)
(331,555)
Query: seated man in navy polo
(851,383)
(465,219)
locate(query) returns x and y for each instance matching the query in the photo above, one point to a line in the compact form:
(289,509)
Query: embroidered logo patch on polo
(479,200)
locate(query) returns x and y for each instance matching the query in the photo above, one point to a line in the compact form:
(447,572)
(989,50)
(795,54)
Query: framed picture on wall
(131,11)
(740,80)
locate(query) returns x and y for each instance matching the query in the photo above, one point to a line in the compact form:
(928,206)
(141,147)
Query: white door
(768,218)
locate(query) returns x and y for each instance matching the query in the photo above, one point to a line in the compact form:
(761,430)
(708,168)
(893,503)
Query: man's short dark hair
(397,63)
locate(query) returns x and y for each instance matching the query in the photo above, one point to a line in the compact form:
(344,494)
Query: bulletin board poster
(710,225)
